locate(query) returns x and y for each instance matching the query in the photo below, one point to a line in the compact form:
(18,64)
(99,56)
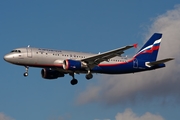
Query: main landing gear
(26,73)
(75,81)
(89,75)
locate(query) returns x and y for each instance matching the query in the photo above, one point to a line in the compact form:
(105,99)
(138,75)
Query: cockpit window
(17,51)
(13,51)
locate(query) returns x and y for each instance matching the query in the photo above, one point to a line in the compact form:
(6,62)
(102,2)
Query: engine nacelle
(51,74)
(72,64)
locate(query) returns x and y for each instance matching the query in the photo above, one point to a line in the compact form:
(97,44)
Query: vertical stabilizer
(150,50)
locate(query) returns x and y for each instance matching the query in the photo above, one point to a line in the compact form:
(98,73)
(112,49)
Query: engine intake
(47,73)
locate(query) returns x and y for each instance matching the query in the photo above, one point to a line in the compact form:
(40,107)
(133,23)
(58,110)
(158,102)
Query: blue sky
(88,26)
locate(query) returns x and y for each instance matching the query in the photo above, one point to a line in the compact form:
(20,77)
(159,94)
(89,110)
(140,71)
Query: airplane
(57,63)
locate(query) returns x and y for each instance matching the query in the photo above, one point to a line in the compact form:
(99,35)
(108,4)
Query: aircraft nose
(7,57)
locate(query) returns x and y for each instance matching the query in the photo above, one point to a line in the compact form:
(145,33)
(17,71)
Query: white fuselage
(38,57)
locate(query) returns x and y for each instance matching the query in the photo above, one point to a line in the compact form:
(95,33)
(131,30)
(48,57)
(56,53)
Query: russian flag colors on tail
(150,50)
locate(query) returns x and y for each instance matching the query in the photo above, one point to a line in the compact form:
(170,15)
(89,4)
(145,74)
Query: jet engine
(48,73)
(72,64)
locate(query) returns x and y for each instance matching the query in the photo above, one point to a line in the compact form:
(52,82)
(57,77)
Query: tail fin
(150,50)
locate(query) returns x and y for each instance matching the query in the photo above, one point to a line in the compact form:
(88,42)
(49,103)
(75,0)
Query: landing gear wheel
(25,74)
(89,76)
(74,82)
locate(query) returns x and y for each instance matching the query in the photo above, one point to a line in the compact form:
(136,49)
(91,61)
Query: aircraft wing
(98,58)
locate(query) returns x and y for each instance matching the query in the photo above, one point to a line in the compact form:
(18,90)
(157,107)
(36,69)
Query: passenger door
(29,52)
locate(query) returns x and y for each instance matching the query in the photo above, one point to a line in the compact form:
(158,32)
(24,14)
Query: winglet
(135,45)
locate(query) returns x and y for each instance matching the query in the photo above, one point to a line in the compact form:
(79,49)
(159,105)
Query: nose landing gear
(26,73)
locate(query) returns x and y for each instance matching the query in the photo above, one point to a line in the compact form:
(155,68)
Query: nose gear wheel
(26,73)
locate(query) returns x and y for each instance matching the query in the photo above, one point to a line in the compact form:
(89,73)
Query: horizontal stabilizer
(149,64)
